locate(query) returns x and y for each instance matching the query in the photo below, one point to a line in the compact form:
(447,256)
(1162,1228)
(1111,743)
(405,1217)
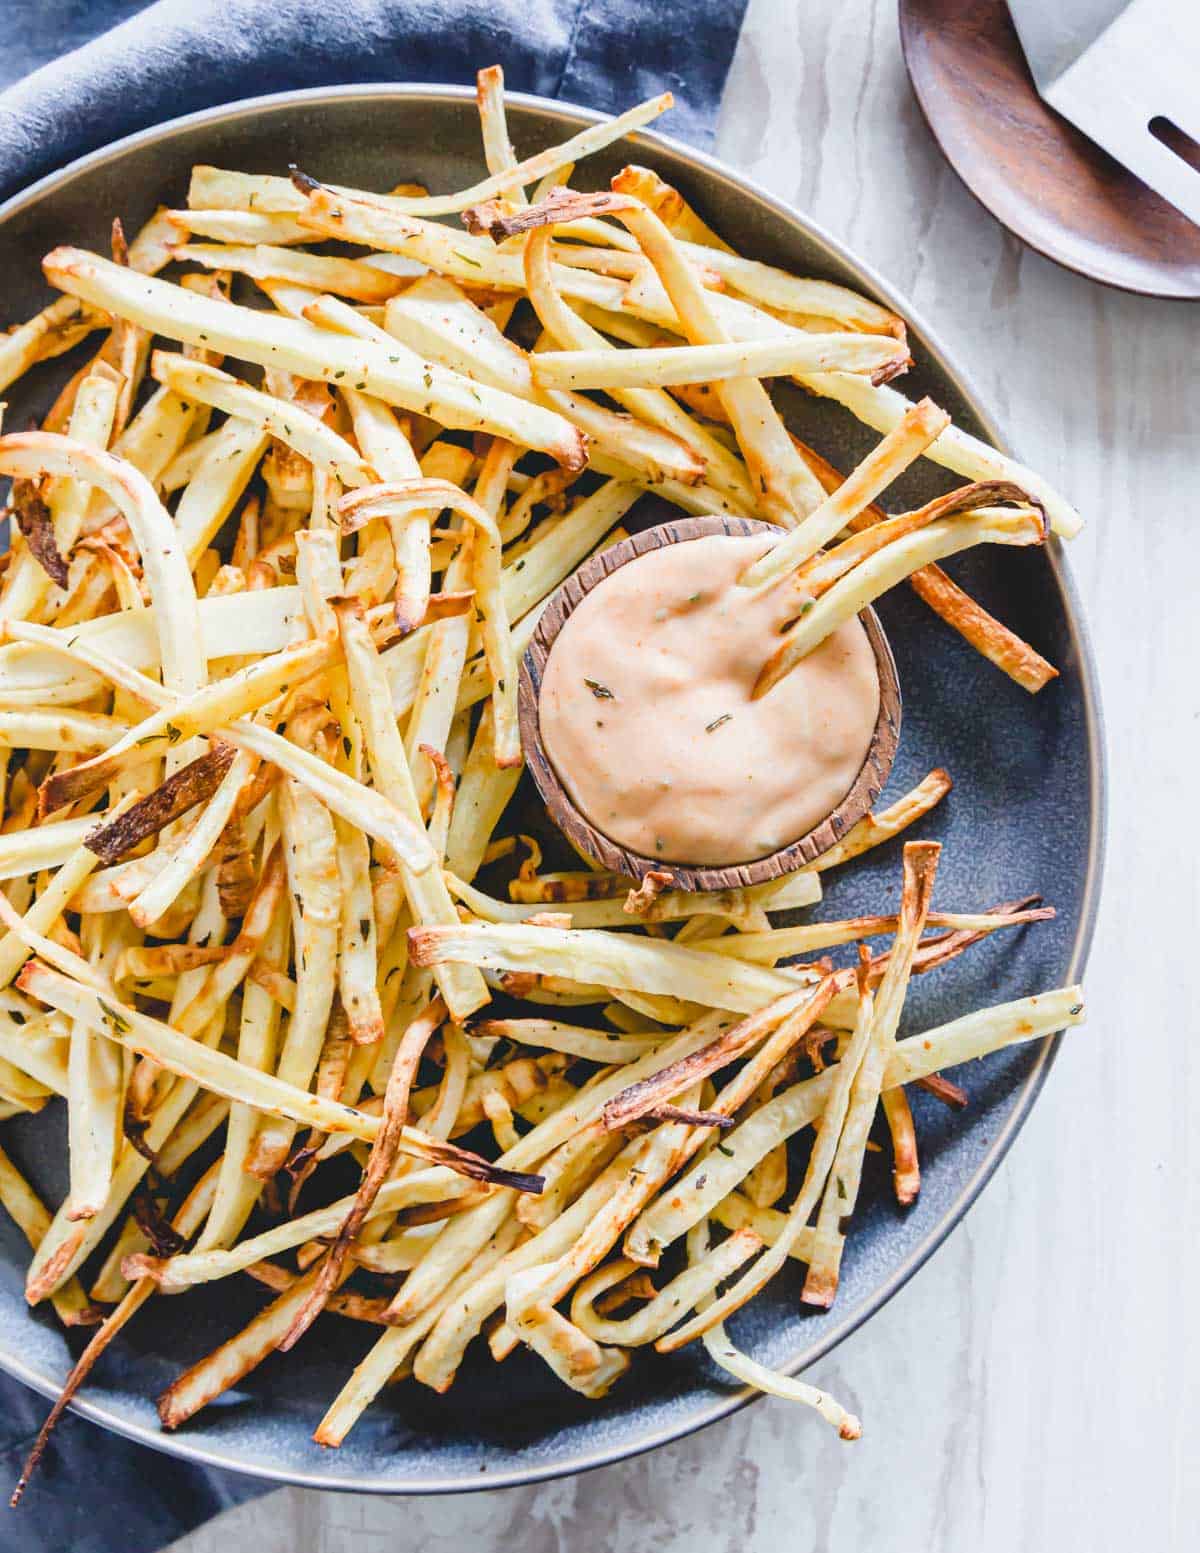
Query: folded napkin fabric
(178,56)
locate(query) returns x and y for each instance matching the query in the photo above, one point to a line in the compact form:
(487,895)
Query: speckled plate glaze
(1027,813)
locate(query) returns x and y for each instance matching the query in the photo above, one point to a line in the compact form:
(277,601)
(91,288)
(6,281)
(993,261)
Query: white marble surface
(1035,1386)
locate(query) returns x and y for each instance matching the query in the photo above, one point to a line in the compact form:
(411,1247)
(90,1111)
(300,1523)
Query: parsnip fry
(788,491)
(865,582)
(463,989)
(314,884)
(586,143)
(662,368)
(415,498)
(876,472)
(319,272)
(22,1203)
(642,964)
(398,377)
(310,437)
(190,785)
(226,1076)
(170,580)
(920,868)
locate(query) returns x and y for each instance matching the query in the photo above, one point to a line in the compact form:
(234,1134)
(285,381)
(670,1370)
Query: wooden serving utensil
(1036,173)
(594,843)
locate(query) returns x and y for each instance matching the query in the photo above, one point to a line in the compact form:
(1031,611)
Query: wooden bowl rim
(601,848)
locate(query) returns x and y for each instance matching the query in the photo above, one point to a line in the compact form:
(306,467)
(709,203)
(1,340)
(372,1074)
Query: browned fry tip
(638,1286)
(679,1113)
(641,1098)
(51,1274)
(302,181)
(497,221)
(906,1169)
(35,523)
(72,784)
(943,1089)
(654,882)
(190,785)
(235,870)
(383,1155)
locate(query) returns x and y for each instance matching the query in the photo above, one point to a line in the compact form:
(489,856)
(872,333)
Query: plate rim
(576,115)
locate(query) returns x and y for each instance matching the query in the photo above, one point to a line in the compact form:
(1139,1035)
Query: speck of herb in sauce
(601,692)
(717,721)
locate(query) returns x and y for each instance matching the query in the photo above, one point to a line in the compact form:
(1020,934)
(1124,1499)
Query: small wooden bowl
(584,835)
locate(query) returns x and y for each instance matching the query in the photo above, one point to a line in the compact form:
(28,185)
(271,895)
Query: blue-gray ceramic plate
(1026,814)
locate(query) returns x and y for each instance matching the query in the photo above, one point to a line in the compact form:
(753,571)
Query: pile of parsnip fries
(258,740)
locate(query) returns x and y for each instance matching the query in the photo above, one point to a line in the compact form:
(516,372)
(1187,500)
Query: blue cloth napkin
(96,1492)
(177,56)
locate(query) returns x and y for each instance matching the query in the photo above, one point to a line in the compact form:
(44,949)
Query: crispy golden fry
(775,944)
(876,472)
(854,591)
(641,964)
(398,377)
(798,1008)
(668,205)
(416,497)
(314,884)
(439,320)
(774,1383)
(71,1304)
(874,829)
(787,490)
(289,421)
(225,1075)
(586,143)
(171,586)
(663,368)
(384,1152)
(884,407)
(957,608)
(317,272)
(563,324)
(920,868)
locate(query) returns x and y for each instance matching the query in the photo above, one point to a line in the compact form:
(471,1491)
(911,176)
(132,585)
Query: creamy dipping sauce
(646,716)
